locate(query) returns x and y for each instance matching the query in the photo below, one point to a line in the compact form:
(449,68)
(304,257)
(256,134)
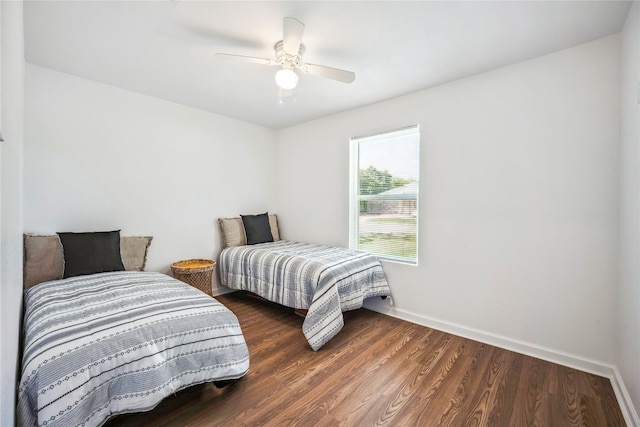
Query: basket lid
(193,263)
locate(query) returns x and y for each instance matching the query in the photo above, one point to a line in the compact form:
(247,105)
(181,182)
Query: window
(384,194)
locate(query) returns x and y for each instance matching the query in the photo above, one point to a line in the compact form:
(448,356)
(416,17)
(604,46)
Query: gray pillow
(134,251)
(43,259)
(232,232)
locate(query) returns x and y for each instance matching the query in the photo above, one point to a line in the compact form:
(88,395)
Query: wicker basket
(196,272)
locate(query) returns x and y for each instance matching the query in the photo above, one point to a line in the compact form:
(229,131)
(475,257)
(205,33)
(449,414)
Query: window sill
(396,260)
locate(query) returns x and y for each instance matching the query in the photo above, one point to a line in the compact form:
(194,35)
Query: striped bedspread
(111,343)
(323,279)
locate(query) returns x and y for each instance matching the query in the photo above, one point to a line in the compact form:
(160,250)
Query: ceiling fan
(288,56)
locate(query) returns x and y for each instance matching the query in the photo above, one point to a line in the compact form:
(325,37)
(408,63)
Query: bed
(112,342)
(324,280)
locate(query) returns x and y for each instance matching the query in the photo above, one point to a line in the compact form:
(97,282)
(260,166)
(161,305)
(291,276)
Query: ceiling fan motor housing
(287,57)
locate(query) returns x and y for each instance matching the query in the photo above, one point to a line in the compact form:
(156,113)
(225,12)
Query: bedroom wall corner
(98,157)
(11,123)
(627,344)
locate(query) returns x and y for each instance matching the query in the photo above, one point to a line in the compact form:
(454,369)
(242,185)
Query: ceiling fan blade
(328,72)
(292,35)
(241,58)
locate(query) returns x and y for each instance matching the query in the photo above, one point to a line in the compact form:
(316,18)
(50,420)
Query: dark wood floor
(382,371)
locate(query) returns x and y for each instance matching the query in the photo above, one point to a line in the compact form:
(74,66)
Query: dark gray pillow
(257,228)
(89,253)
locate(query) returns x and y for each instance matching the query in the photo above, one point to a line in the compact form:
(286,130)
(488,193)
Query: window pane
(388,233)
(386,194)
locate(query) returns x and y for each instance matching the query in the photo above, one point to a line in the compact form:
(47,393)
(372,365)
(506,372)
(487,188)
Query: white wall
(627,356)
(101,158)
(518,201)
(12,71)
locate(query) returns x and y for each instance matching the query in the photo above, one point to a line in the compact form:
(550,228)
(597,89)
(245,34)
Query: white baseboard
(626,404)
(555,356)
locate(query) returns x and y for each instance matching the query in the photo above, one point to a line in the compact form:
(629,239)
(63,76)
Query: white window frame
(355,197)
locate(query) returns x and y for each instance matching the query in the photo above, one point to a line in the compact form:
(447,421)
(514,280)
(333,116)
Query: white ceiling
(166,49)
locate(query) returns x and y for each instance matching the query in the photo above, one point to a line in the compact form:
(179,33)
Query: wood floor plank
(569,394)
(505,398)
(484,398)
(382,371)
(471,381)
(444,394)
(378,379)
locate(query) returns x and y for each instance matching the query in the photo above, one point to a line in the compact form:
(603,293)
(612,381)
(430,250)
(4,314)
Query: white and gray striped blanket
(111,343)
(325,280)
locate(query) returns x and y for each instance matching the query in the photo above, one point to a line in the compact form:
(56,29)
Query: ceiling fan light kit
(288,53)
(286,78)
